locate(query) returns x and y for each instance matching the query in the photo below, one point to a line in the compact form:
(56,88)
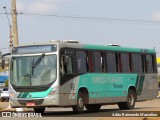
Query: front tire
(80,103)
(1,99)
(6,100)
(39,110)
(131,99)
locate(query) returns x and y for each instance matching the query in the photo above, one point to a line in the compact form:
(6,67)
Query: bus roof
(118,48)
(73,44)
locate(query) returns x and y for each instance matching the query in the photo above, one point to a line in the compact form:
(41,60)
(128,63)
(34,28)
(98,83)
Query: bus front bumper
(35,102)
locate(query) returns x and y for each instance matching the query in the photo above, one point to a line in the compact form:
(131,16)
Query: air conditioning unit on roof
(55,41)
(71,41)
(113,45)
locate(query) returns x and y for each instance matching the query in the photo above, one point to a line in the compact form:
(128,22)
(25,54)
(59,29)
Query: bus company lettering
(102,80)
(117,86)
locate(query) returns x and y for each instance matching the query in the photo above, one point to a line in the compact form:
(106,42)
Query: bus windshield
(25,73)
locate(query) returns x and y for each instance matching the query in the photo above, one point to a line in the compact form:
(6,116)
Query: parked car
(4,97)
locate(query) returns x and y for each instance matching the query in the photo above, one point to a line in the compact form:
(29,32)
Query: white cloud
(40,5)
(156,16)
(20,6)
(43,6)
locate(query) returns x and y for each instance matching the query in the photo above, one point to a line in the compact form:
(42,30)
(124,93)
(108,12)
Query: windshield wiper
(38,60)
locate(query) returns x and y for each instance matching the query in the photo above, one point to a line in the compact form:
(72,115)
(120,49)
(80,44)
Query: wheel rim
(80,103)
(131,99)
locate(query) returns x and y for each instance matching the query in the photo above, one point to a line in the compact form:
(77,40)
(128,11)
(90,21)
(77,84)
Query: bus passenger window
(97,61)
(125,62)
(103,63)
(81,61)
(149,64)
(154,64)
(111,62)
(144,64)
(66,65)
(137,63)
(118,62)
(69,65)
(90,64)
(130,63)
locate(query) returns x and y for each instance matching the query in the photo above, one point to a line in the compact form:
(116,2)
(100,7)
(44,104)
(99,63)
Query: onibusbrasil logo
(20,114)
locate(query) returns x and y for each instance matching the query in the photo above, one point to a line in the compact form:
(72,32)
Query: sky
(129,23)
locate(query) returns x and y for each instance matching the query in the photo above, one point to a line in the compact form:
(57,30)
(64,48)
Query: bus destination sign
(34,49)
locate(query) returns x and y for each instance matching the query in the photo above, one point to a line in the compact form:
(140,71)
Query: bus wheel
(131,99)
(94,107)
(80,103)
(1,100)
(39,110)
(6,100)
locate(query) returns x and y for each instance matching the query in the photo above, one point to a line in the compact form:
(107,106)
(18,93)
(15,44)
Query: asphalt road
(106,111)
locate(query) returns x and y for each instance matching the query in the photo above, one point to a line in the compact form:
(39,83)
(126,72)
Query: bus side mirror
(4,60)
(3,63)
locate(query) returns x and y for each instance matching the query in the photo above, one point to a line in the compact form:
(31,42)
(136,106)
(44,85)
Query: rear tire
(6,100)
(80,103)
(131,99)
(39,110)
(94,107)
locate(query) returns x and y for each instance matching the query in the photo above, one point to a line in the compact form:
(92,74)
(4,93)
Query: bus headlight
(12,95)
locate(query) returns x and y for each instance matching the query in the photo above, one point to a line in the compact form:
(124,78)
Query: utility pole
(10,29)
(14,22)
(11,39)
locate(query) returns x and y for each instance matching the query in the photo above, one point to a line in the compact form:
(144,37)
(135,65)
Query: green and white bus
(69,74)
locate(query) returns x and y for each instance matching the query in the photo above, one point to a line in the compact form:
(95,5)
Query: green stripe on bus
(118,48)
(34,94)
(140,82)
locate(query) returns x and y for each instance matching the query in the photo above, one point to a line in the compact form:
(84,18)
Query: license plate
(30,104)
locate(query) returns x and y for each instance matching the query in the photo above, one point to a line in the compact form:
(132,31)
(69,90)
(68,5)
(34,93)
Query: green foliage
(1,70)
(6,83)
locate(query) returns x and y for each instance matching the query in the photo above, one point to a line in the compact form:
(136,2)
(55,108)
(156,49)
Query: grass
(2,70)
(1,109)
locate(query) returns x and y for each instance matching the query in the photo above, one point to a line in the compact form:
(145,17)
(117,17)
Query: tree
(6,83)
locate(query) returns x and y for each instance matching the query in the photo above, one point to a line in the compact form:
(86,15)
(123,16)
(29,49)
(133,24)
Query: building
(158,61)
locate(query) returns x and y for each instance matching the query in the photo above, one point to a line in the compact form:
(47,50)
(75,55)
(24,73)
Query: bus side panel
(68,91)
(107,88)
(147,87)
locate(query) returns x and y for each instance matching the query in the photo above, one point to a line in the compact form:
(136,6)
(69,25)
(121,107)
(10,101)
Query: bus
(69,74)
